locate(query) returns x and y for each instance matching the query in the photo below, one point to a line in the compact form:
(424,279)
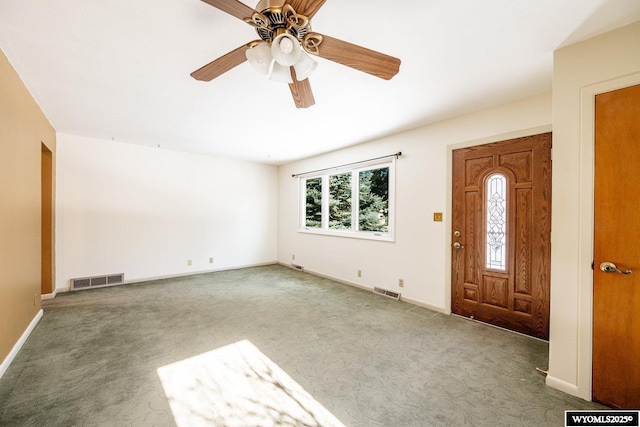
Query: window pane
(496,222)
(373,212)
(313,192)
(340,201)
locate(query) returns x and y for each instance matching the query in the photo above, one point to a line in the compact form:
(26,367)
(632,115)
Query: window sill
(379,236)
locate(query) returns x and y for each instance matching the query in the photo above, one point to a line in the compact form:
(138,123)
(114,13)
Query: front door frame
(521,300)
(585,254)
(448,221)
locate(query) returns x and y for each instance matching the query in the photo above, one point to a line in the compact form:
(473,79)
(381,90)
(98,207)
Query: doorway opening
(46,174)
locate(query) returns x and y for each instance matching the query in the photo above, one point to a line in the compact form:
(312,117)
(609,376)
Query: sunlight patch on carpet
(237,385)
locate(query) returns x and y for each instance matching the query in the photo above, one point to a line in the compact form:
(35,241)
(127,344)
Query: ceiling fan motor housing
(277,23)
(269,4)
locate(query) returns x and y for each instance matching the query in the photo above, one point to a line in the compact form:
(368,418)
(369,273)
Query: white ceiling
(119,69)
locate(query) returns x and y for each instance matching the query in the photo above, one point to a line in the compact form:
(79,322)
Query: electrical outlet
(293,257)
(210,260)
(189,262)
(359,273)
(437,216)
(401,283)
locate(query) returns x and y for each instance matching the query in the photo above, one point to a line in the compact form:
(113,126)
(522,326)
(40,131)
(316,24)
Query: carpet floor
(270,346)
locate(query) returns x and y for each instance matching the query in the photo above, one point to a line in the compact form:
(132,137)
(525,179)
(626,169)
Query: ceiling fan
(284,28)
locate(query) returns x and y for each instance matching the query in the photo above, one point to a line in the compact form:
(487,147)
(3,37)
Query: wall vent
(296,267)
(97,281)
(387,293)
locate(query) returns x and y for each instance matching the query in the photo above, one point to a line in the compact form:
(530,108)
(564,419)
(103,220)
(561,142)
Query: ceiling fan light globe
(281,73)
(305,67)
(260,57)
(286,49)
(286,45)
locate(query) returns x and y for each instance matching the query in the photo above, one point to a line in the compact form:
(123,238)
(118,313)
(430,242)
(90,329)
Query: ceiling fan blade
(354,56)
(232,7)
(307,8)
(301,91)
(221,65)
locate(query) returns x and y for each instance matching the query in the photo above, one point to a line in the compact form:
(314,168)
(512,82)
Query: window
(373,212)
(496,225)
(351,203)
(313,216)
(340,201)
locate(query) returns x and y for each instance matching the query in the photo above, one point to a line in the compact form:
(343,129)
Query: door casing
(584,339)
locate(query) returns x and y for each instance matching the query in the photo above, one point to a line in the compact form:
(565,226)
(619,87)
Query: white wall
(421,253)
(146,211)
(581,71)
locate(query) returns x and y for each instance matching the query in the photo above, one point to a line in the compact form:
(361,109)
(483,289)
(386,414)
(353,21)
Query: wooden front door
(616,296)
(501,228)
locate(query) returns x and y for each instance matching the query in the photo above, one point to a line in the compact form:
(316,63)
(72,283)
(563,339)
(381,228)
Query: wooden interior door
(501,227)
(616,296)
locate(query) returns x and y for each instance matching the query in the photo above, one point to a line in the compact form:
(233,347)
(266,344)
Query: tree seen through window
(374,200)
(340,201)
(313,217)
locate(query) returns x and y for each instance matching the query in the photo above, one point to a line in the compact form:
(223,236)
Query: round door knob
(457,245)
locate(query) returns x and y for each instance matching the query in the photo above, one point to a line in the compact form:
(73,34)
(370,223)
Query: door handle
(609,267)
(457,245)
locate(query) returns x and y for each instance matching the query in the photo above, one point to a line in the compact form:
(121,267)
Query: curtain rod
(396,155)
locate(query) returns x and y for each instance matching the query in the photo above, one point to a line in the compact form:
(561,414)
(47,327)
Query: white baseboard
(173,276)
(195,273)
(339,280)
(16,348)
(423,305)
(370,288)
(564,386)
(49,296)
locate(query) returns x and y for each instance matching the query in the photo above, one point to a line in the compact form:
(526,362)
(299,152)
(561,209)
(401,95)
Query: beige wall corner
(24,131)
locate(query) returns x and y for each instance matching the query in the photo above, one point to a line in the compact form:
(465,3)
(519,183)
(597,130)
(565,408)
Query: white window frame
(388,236)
